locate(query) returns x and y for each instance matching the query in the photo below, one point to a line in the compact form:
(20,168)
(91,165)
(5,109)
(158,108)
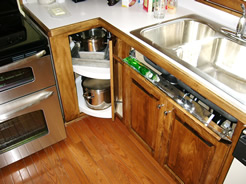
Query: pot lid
(96,83)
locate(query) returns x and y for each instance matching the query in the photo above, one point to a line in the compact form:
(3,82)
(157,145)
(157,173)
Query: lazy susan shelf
(92,65)
(106,113)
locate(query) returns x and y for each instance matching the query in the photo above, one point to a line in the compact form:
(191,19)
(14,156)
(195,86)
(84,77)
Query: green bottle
(145,72)
(142,69)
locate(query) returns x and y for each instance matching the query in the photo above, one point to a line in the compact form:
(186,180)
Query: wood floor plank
(67,165)
(1,177)
(24,174)
(126,168)
(89,166)
(111,167)
(15,173)
(120,169)
(43,168)
(115,150)
(31,170)
(7,175)
(72,163)
(96,151)
(56,165)
(134,159)
(48,167)
(86,141)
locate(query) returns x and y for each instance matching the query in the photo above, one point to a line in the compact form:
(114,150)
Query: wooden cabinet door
(189,155)
(142,108)
(144,114)
(193,155)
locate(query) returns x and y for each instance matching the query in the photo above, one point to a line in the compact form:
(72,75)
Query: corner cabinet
(182,145)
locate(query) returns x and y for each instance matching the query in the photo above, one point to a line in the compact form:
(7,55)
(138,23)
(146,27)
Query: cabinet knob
(167,112)
(160,106)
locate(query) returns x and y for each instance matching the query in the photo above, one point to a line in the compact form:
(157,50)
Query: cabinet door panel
(189,154)
(144,114)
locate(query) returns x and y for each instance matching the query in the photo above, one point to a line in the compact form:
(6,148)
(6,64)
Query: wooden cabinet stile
(65,76)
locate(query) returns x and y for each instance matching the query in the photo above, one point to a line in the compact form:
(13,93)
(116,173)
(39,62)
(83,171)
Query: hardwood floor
(96,151)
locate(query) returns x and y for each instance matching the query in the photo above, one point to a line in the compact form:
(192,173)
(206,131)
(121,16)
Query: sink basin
(219,58)
(175,33)
(199,45)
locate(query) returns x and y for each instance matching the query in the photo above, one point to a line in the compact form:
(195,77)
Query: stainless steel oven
(30,113)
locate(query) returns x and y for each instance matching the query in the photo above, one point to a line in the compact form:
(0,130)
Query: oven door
(26,76)
(29,124)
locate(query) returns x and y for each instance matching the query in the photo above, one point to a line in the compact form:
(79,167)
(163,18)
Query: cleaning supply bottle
(172,6)
(142,69)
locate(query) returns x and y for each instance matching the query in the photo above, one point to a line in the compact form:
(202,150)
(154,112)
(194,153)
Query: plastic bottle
(142,69)
(172,6)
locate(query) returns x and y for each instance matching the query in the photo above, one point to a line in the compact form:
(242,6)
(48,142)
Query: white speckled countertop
(128,19)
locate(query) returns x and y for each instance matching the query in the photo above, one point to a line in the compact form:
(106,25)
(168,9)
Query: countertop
(128,19)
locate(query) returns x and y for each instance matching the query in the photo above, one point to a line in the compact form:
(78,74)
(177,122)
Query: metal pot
(94,40)
(97,93)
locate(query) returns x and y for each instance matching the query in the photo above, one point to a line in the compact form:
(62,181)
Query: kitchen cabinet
(92,65)
(179,142)
(142,108)
(150,115)
(119,50)
(230,6)
(163,128)
(61,54)
(193,154)
(58,35)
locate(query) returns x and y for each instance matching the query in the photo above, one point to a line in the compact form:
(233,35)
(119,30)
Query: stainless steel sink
(220,58)
(200,45)
(177,32)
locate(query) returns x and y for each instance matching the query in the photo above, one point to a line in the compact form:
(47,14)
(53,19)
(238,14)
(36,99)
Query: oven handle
(9,109)
(15,65)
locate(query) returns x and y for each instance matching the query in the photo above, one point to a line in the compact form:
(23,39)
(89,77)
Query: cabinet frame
(166,133)
(133,80)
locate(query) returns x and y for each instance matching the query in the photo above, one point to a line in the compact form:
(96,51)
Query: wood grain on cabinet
(142,104)
(65,31)
(179,142)
(112,86)
(193,154)
(120,50)
(189,155)
(64,71)
(144,114)
(230,6)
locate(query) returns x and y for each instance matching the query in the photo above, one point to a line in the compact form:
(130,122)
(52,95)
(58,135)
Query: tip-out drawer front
(40,75)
